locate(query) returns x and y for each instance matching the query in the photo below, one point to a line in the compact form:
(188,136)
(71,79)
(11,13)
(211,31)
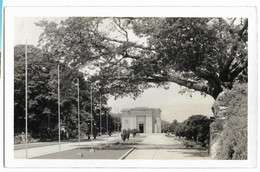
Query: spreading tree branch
(245,26)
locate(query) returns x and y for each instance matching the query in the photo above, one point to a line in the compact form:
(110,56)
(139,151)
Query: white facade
(147,120)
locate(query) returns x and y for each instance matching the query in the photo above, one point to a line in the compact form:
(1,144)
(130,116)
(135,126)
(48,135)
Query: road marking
(154,154)
(126,154)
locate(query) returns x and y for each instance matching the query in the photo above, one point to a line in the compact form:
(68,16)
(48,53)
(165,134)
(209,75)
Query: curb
(126,154)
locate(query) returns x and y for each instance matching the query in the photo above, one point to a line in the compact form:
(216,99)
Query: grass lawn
(41,144)
(104,153)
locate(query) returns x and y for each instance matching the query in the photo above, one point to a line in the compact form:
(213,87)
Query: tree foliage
(43,96)
(194,128)
(233,140)
(204,54)
(209,54)
(169,127)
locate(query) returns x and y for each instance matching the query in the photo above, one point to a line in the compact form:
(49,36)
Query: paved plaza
(161,147)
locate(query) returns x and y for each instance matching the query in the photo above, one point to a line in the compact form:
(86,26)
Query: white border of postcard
(11,12)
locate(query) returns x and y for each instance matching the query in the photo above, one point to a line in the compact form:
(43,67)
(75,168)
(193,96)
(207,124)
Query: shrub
(189,144)
(124,135)
(195,128)
(134,132)
(233,140)
(128,134)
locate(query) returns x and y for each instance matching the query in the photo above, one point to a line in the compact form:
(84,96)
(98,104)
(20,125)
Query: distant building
(147,120)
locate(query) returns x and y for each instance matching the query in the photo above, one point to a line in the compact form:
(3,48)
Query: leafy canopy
(202,54)
(43,95)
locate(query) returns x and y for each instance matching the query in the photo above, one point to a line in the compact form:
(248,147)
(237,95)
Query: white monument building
(147,120)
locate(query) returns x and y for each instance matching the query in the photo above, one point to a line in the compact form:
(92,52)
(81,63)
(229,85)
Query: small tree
(198,125)
(173,126)
(196,128)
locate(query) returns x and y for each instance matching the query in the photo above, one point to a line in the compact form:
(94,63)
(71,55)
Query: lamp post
(91,123)
(100,119)
(59,105)
(117,114)
(78,114)
(100,127)
(88,130)
(107,123)
(26,116)
(26,104)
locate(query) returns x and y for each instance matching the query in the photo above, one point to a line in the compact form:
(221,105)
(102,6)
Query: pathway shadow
(168,146)
(191,154)
(106,147)
(82,140)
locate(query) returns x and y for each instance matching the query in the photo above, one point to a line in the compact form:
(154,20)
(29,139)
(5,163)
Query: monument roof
(141,109)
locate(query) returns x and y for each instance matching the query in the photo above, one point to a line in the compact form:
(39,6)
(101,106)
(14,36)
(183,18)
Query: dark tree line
(43,98)
(195,128)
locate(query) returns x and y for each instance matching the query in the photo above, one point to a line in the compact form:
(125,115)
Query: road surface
(40,149)
(159,147)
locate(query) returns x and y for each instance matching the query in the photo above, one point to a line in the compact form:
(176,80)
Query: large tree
(43,94)
(40,92)
(202,54)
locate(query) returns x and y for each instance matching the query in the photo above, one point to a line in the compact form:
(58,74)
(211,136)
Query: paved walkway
(148,146)
(159,147)
(35,151)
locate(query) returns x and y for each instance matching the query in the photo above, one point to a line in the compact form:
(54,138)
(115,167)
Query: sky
(172,104)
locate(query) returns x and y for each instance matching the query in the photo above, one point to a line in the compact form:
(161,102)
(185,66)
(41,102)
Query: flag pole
(26,115)
(59,105)
(107,123)
(91,108)
(78,116)
(107,128)
(100,119)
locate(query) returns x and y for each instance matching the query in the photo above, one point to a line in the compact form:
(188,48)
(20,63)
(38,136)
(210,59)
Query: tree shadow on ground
(83,140)
(195,153)
(170,146)
(106,147)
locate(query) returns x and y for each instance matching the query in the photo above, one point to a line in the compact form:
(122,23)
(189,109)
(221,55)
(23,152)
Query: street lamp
(118,111)
(59,105)
(100,120)
(91,122)
(107,123)
(26,103)
(100,117)
(26,116)
(78,114)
